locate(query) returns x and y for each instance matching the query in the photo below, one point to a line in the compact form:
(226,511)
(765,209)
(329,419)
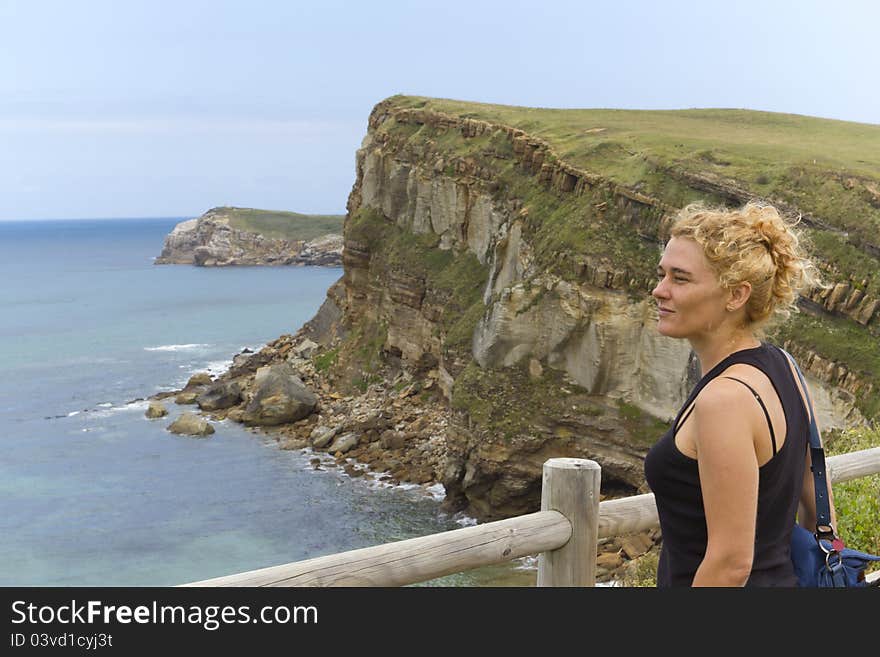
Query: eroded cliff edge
(494,312)
(215,240)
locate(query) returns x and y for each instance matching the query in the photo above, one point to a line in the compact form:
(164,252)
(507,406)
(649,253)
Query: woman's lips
(663,312)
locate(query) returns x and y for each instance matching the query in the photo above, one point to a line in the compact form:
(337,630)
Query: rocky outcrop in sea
(211,241)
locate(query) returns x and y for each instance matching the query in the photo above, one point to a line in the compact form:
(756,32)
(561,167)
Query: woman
(734,469)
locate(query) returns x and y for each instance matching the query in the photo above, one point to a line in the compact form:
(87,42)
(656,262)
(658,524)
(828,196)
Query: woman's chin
(666,331)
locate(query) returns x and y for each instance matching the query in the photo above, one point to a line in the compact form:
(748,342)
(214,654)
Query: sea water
(94,494)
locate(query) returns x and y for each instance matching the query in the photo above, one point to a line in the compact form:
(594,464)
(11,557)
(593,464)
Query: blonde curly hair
(753,244)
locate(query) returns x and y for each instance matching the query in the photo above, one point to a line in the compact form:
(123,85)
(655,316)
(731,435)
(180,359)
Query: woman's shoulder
(730,396)
(727,388)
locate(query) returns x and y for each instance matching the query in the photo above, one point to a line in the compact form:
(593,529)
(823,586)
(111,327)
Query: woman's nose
(659,289)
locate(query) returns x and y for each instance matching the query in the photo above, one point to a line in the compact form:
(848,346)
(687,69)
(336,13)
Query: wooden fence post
(571,486)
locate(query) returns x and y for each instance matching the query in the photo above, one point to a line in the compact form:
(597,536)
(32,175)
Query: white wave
(72,413)
(177,347)
(215,366)
(464,521)
(437,491)
(108,410)
(105,405)
(374,478)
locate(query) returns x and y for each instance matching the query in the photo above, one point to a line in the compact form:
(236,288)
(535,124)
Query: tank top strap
(749,356)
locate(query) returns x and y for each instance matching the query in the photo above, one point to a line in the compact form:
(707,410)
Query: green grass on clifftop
(825,167)
(283,225)
(731,140)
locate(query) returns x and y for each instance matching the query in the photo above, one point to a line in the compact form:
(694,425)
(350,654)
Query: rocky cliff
(495,309)
(212,240)
(477,255)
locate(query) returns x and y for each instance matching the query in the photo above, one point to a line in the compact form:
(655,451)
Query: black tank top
(675,481)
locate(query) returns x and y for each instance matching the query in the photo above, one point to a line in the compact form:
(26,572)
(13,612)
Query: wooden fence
(564,533)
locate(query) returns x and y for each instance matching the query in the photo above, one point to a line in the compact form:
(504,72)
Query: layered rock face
(210,241)
(583,338)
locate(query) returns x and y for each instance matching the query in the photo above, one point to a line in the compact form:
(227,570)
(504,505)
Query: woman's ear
(738,296)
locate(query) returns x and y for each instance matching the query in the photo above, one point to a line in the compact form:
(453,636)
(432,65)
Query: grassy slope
(739,142)
(283,225)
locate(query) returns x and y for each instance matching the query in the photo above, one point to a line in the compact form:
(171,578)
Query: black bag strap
(824,529)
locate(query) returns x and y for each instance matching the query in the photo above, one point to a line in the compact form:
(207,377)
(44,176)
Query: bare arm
(728,470)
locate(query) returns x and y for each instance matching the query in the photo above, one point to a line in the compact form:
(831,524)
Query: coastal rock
(279,397)
(155,410)
(235,414)
(190,424)
(219,395)
(293,443)
(609,560)
(343,443)
(198,379)
(392,439)
(323,251)
(248,362)
(635,545)
(212,240)
(305,349)
(187,397)
(240,359)
(321,436)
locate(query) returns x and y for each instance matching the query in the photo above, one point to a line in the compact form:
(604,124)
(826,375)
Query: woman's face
(690,300)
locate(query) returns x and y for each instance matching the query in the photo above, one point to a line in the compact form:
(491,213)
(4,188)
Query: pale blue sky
(132,108)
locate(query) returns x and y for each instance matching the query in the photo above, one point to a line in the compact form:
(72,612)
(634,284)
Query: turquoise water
(94,494)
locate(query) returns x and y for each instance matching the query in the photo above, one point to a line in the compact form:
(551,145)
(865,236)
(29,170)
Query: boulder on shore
(190,424)
(235,414)
(306,349)
(198,379)
(343,443)
(278,397)
(321,436)
(156,410)
(222,394)
(186,397)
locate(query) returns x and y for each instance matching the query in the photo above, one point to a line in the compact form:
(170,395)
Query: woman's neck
(712,352)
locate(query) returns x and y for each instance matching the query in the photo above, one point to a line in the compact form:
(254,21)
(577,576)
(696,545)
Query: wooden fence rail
(564,533)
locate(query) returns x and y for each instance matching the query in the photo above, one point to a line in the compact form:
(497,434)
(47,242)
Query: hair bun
(737,244)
